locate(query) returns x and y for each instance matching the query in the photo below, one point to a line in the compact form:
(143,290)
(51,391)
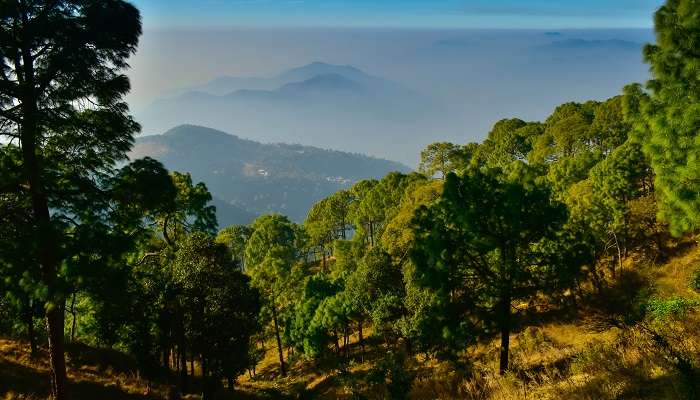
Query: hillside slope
(248,178)
(562,357)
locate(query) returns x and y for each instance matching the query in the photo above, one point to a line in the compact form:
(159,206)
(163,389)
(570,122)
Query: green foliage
(221,308)
(375,289)
(236,237)
(430,264)
(398,237)
(271,255)
(667,113)
(508,141)
(440,157)
(695,280)
(676,307)
(489,240)
(270,252)
(329,220)
(392,376)
(376,202)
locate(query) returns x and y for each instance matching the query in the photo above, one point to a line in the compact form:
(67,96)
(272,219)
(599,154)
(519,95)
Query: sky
(510,14)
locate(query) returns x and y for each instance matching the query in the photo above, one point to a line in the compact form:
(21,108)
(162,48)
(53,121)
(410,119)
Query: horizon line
(200,28)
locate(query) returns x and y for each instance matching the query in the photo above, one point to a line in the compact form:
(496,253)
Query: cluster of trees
(131,249)
(436,264)
(529,216)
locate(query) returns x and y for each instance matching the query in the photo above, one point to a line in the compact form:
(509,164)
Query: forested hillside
(556,259)
(248,179)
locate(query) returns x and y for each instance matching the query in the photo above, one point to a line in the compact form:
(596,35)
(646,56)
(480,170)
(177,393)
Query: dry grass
(93,374)
(580,361)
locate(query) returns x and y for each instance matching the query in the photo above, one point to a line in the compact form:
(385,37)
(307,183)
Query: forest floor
(559,356)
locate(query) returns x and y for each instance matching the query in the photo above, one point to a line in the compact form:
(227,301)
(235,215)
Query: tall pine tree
(61,89)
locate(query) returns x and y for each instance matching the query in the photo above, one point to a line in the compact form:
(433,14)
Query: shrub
(695,280)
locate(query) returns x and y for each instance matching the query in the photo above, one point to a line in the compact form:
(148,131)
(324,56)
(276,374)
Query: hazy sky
(159,14)
(541,54)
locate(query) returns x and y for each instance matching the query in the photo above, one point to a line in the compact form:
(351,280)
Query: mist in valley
(384,93)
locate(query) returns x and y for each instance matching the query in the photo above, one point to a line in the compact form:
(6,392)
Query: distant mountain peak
(188,135)
(324,82)
(315,68)
(195,130)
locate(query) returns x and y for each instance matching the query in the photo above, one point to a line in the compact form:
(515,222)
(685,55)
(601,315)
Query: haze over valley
(385,93)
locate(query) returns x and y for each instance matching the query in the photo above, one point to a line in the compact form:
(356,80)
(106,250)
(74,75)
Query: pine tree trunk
(182,349)
(505,332)
(54,327)
(283,371)
(337,343)
(166,358)
(55,315)
(346,341)
(73,322)
(31,333)
(46,242)
(362,343)
(205,380)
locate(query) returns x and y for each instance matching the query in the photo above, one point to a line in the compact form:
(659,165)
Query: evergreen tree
(441,157)
(668,113)
(491,239)
(221,307)
(61,99)
(271,255)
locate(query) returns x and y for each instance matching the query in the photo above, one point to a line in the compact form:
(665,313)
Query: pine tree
(668,112)
(61,100)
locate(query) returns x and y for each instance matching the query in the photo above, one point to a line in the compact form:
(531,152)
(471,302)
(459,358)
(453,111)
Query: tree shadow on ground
(34,384)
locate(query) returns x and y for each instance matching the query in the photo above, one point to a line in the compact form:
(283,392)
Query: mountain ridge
(329,106)
(249,178)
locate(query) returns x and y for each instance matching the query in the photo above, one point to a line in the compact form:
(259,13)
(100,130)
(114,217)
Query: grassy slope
(560,358)
(94,374)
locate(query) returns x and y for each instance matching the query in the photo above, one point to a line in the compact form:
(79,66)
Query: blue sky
(545,14)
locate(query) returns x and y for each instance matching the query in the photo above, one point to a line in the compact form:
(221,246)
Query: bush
(695,280)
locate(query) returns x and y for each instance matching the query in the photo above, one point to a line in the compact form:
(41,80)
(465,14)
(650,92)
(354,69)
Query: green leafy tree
(135,301)
(375,291)
(398,237)
(236,237)
(439,157)
(376,202)
(366,212)
(491,239)
(508,141)
(307,330)
(221,305)
(189,212)
(271,255)
(61,99)
(328,220)
(668,113)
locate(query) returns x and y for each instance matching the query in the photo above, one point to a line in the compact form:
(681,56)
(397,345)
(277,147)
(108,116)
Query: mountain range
(248,178)
(329,106)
